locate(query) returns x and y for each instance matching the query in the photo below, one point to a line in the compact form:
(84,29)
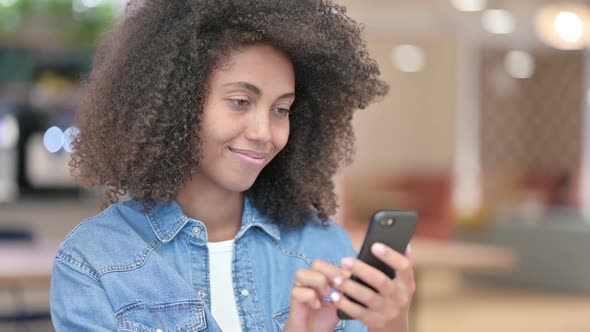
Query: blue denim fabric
(129,270)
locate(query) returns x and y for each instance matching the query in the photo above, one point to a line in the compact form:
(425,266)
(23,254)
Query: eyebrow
(256,90)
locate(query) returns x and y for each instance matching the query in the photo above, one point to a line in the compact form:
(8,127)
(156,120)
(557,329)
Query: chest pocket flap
(186,316)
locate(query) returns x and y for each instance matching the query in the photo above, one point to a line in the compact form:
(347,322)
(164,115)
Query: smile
(249,156)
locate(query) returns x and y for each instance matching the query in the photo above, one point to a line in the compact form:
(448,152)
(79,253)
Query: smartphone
(393,228)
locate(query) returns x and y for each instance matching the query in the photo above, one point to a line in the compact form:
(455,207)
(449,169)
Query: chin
(240,184)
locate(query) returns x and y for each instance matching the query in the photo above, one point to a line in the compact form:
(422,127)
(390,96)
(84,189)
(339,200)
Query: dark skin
(245,125)
(222,224)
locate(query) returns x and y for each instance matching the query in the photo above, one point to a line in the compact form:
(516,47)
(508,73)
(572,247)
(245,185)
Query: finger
(345,273)
(401,264)
(370,275)
(401,296)
(333,273)
(305,296)
(355,311)
(409,253)
(391,294)
(371,299)
(396,296)
(313,279)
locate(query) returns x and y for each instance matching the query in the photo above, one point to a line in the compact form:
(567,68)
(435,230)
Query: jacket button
(159,330)
(202,294)
(196,230)
(245,292)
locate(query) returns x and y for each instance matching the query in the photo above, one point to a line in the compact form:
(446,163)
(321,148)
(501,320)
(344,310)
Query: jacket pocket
(185,316)
(281,320)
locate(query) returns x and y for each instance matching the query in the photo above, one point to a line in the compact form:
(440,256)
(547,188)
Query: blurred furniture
(431,199)
(23,263)
(26,263)
(39,89)
(552,250)
(429,194)
(463,256)
(15,234)
(429,254)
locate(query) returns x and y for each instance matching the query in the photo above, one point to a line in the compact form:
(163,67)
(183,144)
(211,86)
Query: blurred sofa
(553,251)
(429,194)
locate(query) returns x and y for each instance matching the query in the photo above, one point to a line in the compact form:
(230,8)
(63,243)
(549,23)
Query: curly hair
(139,118)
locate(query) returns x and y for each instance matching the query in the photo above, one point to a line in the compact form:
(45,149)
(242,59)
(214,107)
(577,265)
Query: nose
(259,126)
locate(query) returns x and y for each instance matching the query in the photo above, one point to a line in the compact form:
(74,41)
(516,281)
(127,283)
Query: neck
(220,210)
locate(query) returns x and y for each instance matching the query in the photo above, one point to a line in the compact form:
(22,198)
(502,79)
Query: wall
(412,128)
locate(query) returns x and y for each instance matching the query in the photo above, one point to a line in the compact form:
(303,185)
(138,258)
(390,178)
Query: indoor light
(563,25)
(519,64)
(408,58)
(498,21)
(469,5)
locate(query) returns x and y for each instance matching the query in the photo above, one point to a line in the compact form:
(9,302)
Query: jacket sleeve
(77,300)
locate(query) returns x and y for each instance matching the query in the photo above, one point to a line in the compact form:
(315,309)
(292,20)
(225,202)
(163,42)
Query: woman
(223,122)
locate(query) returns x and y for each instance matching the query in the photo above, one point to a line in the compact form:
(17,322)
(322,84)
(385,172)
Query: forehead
(261,64)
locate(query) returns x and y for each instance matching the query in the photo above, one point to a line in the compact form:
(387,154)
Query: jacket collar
(167,219)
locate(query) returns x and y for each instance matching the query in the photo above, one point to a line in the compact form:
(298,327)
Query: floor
(446,301)
(449,302)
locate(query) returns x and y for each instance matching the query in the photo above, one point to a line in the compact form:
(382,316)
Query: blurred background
(484,133)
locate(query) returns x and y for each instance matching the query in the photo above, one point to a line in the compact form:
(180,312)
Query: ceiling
(416,19)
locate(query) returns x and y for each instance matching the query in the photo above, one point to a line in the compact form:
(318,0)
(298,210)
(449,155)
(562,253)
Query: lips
(250,153)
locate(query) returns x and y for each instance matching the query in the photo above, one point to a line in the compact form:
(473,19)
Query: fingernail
(337,281)
(409,251)
(378,249)
(346,262)
(335,297)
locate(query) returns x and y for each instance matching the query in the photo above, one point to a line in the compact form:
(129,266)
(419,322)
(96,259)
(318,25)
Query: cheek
(216,131)
(281,138)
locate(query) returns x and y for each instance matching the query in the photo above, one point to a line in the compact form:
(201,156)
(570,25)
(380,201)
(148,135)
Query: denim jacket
(130,270)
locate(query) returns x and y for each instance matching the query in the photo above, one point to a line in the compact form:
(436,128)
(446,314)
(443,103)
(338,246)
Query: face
(245,121)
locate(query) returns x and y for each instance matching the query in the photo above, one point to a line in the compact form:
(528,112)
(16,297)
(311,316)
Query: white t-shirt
(223,301)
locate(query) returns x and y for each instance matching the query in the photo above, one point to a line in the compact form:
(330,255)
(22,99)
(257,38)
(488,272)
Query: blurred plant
(78,23)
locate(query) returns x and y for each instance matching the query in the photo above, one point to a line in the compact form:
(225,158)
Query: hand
(387,309)
(309,312)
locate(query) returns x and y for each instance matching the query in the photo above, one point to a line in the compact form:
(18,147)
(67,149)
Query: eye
(282,112)
(240,102)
